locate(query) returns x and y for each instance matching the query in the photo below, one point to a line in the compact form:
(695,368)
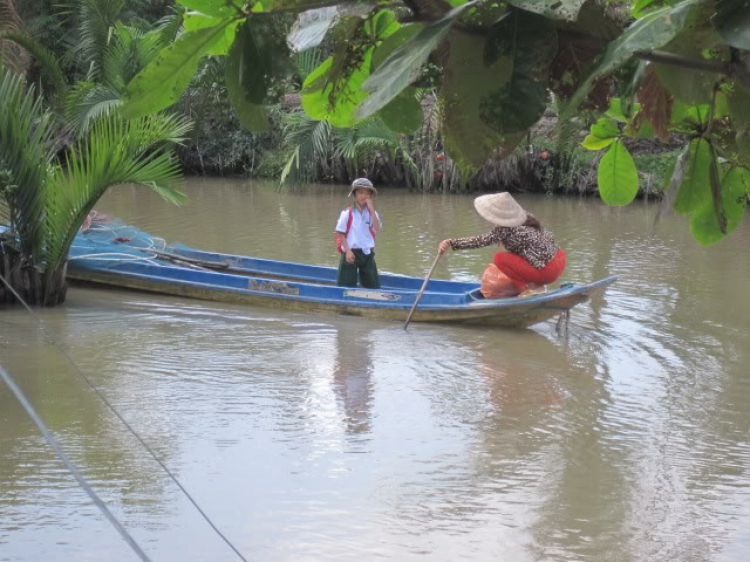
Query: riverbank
(297,149)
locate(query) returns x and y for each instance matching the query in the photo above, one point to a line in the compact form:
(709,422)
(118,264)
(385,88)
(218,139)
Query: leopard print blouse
(537,247)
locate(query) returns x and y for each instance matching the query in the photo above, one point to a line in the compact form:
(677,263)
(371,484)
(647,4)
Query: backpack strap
(349,220)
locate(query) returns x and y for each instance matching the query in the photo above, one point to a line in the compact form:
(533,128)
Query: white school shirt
(359,237)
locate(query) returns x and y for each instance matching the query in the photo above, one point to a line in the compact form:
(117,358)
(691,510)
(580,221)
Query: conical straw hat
(500,209)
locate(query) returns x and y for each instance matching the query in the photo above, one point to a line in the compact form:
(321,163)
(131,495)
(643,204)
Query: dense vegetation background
(549,160)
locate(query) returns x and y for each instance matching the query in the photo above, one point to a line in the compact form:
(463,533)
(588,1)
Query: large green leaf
(217,8)
(403,66)
(333,91)
(698,40)
(553,9)
(404,113)
(695,190)
(195,20)
(386,48)
(467,85)
(603,133)
(311,27)
(687,85)
(297,5)
(265,61)
(161,83)
(651,32)
(245,94)
(530,41)
(688,118)
(617,176)
(641,7)
(738,101)
(732,22)
(734,190)
(672,181)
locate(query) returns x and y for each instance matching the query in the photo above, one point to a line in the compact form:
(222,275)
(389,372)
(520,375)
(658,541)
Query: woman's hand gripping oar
(421,291)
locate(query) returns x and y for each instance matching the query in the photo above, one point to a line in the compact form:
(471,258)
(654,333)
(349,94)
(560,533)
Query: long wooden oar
(421,291)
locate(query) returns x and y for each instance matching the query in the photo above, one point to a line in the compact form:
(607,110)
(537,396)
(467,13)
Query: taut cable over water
(69,464)
(79,478)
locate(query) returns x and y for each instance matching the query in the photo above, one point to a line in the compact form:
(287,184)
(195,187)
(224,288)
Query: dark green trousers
(364,264)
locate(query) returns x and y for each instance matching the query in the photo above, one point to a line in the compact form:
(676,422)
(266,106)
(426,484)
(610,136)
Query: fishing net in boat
(104,238)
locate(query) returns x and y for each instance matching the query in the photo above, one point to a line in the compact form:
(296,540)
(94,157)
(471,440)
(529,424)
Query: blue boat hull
(177,270)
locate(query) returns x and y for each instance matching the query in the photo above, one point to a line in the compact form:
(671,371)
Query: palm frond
(346,143)
(96,20)
(116,152)
(14,57)
(46,59)
(88,102)
(26,150)
(309,141)
(309,60)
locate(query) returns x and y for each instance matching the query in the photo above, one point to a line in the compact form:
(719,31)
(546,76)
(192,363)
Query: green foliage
(695,189)
(651,32)
(216,8)
(603,133)
(618,176)
(529,43)
(704,223)
(51,199)
(732,22)
(469,84)
(333,91)
(317,151)
(493,65)
(401,67)
(161,83)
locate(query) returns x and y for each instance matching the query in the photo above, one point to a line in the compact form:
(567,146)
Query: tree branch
(731,69)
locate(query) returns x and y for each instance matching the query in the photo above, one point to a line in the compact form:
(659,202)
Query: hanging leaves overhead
(618,176)
(404,65)
(704,223)
(468,85)
(492,66)
(695,189)
(529,43)
(656,104)
(333,91)
(650,32)
(732,22)
(161,83)
(216,8)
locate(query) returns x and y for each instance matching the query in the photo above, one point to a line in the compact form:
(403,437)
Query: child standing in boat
(533,257)
(355,238)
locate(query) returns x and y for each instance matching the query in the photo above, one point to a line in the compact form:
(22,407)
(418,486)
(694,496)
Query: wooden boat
(125,257)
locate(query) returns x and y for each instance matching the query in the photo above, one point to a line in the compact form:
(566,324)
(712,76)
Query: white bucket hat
(362,183)
(500,209)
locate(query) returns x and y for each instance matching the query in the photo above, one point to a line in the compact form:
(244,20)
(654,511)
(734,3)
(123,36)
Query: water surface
(314,437)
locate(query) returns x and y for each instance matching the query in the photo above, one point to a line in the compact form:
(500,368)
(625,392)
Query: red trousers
(522,272)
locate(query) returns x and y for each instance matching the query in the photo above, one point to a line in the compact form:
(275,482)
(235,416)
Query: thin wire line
(124,422)
(69,464)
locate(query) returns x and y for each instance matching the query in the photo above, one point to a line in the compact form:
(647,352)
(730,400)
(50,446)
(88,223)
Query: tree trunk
(27,282)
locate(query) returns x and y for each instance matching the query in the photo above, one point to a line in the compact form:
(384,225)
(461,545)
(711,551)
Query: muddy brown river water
(319,438)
